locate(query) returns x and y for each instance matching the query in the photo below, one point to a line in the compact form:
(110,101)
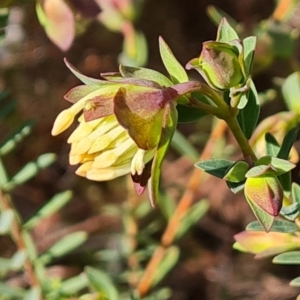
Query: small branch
(16,234)
(243,142)
(16,228)
(184,204)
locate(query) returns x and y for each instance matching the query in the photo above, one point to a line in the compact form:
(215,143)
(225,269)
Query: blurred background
(33,73)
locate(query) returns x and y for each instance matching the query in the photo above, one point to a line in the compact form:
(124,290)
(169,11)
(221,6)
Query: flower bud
(266,192)
(219,64)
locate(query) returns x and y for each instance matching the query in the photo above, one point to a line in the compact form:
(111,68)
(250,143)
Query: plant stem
(240,137)
(16,229)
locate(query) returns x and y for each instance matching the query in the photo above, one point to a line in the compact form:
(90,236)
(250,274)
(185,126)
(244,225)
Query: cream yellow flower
(102,147)
(125,126)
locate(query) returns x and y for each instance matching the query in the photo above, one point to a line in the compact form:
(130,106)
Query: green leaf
(216,167)
(4,13)
(63,247)
(4,266)
(216,14)
(192,216)
(287,143)
(174,68)
(257,171)
(288,258)
(166,205)
(249,44)
(278,226)
(83,78)
(263,217)
(171,256)
(184,146)
(295,282)
(18,260)
(281,166)
(291,92)
(6,220)
(164,143)
(15,138)
(296,192)
(280,35)
(237,172)
(135,49)
(33,294)
(236,187)
(248,116)
(225,32)
(75,284)
(161,294)
(188,114)
(290,212)
(11,292)
(272,146)
(52,206)
(143,73)
(29,171)
(102,283)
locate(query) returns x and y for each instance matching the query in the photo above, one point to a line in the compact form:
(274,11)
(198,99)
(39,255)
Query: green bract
(219,64)
(265,191)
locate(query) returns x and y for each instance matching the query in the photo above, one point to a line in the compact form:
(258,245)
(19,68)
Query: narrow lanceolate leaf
(102,283)
(192,216)
(6,220)
(63,247)
(33,294)
(225,32)
(272,146)
(15,138)
(296,192)
(291,92)
(216,15)
(295,282)
(143,73)
(52,206)
(216,167)
(30,170)
(249,44)
(11,292)
(174,68)
(164,143)
(278,226)
(287,143)
(83,78)
(288,258)
(74,284)
(171,256)
(248,116)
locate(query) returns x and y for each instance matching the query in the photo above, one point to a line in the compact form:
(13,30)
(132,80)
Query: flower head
(125,127)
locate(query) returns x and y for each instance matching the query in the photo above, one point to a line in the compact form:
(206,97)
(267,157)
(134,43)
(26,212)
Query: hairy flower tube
(125,127)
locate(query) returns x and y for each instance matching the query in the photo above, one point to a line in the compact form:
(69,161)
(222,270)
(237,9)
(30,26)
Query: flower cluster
(125,127)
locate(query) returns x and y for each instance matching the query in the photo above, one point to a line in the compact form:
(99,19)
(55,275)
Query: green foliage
(143,107)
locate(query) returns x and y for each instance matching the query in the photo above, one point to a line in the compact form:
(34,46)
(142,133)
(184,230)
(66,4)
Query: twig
(184,204)
(17,236)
